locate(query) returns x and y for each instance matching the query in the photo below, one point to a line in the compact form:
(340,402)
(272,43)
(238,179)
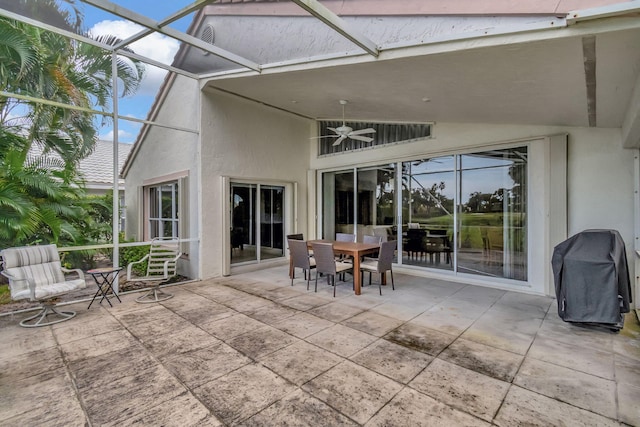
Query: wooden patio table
(356,250)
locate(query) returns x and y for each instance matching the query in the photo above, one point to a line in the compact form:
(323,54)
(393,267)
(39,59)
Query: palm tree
(41,199)
(38,199)
(46,65)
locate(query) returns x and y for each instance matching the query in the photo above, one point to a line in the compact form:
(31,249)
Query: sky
(156,46)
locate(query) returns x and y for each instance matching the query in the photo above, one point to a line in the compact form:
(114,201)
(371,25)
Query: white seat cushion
(52,290)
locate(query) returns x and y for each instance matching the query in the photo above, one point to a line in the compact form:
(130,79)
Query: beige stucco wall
(169,153)
(599,177)
(244,140)
(247,141)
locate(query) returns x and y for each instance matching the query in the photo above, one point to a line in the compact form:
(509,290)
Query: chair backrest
(345,237)
(299,253)
(298,236)
(163,251)
(413,225)
(387,251)
(325,257)
(371,239)
(41,264)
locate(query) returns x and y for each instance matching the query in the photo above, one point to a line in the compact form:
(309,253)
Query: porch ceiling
(539,82)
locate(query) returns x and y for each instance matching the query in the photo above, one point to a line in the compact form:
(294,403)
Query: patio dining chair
(162,261)
(375,240)
(300,259)
(327,264)
(345,237)
(382,264)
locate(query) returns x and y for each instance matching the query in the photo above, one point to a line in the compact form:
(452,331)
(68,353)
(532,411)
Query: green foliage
(5,294)
(129,254)
(43,200)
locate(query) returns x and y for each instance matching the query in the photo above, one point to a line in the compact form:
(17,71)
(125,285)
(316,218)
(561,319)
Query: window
(385,133)
(163,210)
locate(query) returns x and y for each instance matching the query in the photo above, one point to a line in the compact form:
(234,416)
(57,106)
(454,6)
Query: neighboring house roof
(97,168)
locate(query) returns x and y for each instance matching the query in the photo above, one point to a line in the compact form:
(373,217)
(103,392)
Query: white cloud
(123,136)
(155,46)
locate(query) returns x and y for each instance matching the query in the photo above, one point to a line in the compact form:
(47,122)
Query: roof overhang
(530,75)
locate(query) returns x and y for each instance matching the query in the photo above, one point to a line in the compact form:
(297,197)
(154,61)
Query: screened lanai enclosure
(477,134)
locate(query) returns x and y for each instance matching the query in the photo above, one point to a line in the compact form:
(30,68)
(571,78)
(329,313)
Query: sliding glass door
(364,197)
(257,222)
(464,213)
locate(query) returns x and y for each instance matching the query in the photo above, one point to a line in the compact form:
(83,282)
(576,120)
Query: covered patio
(252,350)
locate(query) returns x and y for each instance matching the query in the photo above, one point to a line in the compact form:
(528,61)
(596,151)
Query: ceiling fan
(343,132)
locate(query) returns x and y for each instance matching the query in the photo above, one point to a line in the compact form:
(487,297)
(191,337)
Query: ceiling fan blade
(332,129)
(362,131)
(361,138)
(324,136)
(339,140)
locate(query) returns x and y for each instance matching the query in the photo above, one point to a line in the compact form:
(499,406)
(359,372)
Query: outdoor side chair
(35,273)
(162,261)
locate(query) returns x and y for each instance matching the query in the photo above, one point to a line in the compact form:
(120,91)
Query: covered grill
(592,278)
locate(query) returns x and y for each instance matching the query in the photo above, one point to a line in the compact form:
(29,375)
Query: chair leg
(380,284)
(40,318)
(369,278)
(316,289)
(393,287)
(334,285)
(154,295)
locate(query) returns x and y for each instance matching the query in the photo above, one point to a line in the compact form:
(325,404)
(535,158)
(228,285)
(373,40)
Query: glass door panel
(492,213)
(376,202)
(338,203)
(271,221)
(428,197)
(243,223)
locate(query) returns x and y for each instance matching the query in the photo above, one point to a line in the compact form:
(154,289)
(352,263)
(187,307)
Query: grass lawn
(5,295)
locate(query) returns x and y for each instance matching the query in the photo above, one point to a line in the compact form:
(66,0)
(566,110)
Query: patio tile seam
(160,363)
(384,375)
(459,409)
(579,408)
(71,379)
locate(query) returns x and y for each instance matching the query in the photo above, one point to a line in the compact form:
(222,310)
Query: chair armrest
(14,280)
(134,263)
(166,264)
(73,270)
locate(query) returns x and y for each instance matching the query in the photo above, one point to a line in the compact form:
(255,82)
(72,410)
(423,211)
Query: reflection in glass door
(376,202)
(271,225)
(339,203)
(492,213)
(428,197)
(257,218)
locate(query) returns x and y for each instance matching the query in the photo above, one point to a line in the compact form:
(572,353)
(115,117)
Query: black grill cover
(592,278)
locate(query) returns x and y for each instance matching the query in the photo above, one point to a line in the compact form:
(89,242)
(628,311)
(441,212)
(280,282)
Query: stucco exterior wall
(599,174)
(244,140)
(164,153)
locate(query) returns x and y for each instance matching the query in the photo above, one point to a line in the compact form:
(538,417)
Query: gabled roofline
(160,97)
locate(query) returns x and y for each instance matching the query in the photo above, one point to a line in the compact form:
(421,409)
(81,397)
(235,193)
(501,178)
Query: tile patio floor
(251,350)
